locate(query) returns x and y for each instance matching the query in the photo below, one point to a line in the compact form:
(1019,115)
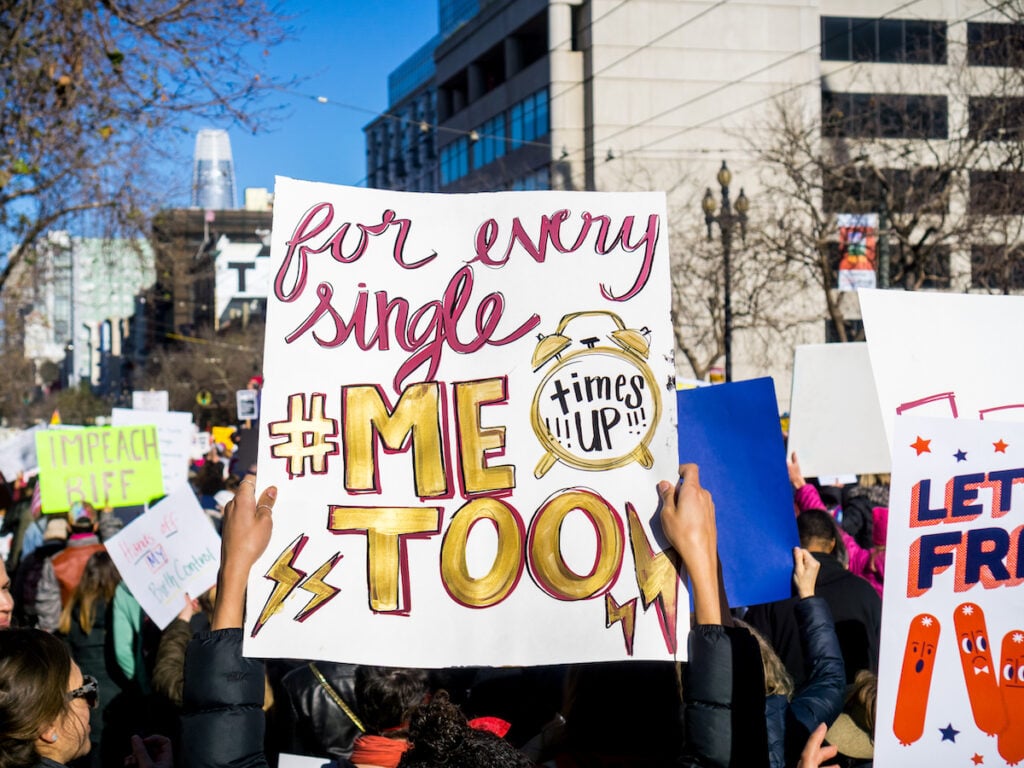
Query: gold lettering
(475,442)
(501,579)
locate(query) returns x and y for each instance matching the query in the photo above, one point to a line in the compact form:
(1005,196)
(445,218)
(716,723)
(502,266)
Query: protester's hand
(247,525)
(814,754)
(796,477)
(805,572)
(191,608)
(245,533)
(150,752)
(688,520)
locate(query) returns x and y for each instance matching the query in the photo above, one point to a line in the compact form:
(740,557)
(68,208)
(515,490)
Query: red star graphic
(1000,446)
(921,446)
(977,759)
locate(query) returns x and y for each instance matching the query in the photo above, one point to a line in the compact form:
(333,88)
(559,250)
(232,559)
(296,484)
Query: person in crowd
(792,715)
(853,731)
(210,478)
(83,625)
(169,665)
(63,571)
(855,605)
(387,697)
(30,570)
(317,706)
(7,605)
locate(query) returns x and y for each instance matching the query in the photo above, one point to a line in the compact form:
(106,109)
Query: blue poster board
(732,432)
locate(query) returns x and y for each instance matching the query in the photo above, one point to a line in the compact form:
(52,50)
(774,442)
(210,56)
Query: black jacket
(312,723)
(820,700)
(723,700)
(856,609)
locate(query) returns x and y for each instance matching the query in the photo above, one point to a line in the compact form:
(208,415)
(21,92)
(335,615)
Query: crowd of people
(86,679)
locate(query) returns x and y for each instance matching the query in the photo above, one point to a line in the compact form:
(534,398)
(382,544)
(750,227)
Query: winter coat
(313,722)
(857,612)
(820,699)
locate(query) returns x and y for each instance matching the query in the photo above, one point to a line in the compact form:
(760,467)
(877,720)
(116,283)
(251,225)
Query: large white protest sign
(945,354)
(951,675)
(168,552)
(174,430)
(18,453)
(835,425)
(468,402)
(150,400)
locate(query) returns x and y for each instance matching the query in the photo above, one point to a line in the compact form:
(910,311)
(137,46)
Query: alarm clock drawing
(598,405)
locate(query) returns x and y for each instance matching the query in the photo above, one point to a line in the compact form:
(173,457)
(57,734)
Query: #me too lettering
(990,555)
(417,425)
(381,320)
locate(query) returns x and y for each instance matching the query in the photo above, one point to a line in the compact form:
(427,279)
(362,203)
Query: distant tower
(213,172)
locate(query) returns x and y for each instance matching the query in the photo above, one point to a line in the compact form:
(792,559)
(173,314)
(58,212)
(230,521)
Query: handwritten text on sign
(105,466)
(462,391)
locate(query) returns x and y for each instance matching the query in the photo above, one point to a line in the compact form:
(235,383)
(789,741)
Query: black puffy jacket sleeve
(223,721)
(723,700)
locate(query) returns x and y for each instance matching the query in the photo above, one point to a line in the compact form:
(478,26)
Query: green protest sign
(104,466)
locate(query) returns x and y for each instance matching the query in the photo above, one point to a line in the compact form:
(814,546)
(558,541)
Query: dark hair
(440,737)
(99,582)
(388,695)
(34,671)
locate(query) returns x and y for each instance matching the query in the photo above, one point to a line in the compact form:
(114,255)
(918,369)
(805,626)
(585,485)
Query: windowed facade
(997,267)
(995,45)
(997,193)
(898,41)
(528,120)
(862,189)
(492,142)
(996,119)
(540,179)
(454,160)
(883,116)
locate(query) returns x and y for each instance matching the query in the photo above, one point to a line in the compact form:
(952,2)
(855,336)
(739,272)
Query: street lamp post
(726,220)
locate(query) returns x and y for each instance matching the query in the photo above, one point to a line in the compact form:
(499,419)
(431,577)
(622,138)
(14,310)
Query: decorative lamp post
(726,220)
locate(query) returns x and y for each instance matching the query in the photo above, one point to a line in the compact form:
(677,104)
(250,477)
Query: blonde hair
(99,581)
(777,680)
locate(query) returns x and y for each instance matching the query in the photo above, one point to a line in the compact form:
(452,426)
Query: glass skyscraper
(213,172)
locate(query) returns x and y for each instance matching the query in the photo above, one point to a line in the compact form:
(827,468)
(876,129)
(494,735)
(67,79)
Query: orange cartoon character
(979,670)
(1011,685)
(916,678)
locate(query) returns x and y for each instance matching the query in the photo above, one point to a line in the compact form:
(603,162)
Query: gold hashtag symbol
(307,435)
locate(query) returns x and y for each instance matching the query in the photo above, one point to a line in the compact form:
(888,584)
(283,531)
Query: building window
(528,119)
(996,119)
(997,193)
(997,267)
(540,179)
(454,160)
(491,144)
(898,41)
(862,189)
(995,45)
(883,116)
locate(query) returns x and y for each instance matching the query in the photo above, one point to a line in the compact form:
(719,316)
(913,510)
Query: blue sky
(345,50)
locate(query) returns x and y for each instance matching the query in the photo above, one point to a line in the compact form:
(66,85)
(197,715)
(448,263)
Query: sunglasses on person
(90,691)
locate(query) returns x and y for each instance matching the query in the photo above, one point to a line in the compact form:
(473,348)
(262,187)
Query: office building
(213,171)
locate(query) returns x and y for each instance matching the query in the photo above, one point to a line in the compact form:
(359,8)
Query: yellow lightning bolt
(285,577)
(657,576)
(626,613)
(321,591)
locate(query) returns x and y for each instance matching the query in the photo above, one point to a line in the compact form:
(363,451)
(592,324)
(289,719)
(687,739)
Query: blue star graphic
(949,733)
(961,455)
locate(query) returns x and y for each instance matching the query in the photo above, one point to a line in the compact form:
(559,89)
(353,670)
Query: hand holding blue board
(732,432)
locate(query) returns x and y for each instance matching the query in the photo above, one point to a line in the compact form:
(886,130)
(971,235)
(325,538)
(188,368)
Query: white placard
(18,454)
(174,430)
(248,404)
(522,345)
(945,354)
(150,400)
(951,675)
(167,552)
(835,425)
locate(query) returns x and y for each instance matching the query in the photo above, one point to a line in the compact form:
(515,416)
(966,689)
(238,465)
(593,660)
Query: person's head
(387,696)
(82,517)
(777,680)
(853,731)
(56,529)
(441,737)
(44,700)
(6,598)
(817,529)
(98,584)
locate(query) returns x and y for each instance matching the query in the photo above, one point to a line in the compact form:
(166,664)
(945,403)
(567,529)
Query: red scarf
(379,750)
